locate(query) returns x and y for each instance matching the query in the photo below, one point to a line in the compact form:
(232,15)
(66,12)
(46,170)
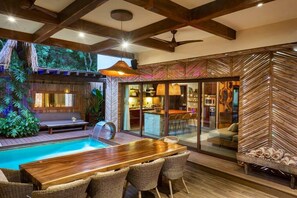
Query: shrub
(19,125)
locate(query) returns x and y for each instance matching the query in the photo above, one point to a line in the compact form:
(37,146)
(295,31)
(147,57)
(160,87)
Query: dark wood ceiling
(176,15)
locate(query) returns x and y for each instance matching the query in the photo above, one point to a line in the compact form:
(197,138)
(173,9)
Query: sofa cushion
(3,177)
(58,116)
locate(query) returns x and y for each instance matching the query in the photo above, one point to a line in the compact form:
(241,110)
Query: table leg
(50,130)
(293,180)
(246,168)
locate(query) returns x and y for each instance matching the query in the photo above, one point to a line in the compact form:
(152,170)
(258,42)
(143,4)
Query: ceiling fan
(173,43)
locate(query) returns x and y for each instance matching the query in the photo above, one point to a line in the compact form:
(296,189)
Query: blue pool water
(12,158)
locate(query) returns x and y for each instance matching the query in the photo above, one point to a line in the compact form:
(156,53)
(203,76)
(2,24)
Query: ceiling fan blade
(189,41)
(164,41)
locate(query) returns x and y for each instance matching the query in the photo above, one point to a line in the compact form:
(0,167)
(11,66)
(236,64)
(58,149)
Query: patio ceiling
(59,22)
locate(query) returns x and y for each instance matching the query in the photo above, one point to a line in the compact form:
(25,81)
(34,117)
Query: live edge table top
(58,170)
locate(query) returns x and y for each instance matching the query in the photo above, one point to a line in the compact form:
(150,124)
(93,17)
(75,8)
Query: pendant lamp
(120,68)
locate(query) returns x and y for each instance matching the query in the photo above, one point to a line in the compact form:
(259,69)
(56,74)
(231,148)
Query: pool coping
(3,148)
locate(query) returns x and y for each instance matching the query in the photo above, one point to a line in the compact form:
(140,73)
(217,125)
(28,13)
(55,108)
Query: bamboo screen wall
(81,91)
(268,93)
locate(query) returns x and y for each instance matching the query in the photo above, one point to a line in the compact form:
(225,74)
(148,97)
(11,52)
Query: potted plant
(94,111)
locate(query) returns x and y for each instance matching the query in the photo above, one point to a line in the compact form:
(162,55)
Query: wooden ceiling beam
(12,8)
(25,37)
(68,15)
(96,29)
(222,7)
(166,8)
(181,15)
(15,35)
(104,45)
(217,29)
(154,29)
(118,54)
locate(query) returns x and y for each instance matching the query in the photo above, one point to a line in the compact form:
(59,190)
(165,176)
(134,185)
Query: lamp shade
(174,90)
(120,69)
(160,90)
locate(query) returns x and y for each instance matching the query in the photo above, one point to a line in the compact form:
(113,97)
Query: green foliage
(96,104)
(67,59)
(17,119)
(19,125)
(60,58)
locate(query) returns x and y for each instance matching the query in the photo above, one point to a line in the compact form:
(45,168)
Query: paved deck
(226,169)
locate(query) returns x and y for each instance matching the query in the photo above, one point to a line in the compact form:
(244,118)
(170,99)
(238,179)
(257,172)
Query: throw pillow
(233,127)
(3,177)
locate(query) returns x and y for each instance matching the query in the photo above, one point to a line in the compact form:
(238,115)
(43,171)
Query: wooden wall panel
(81,91)
(160,72)
(284,109)
(112,100)
(220,67)
(176,71)
(196,69)
(254,97)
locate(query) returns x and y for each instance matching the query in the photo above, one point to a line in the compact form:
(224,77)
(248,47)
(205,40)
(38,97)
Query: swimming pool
(12,158)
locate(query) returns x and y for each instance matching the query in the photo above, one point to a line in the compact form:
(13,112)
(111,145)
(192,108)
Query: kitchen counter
(162,112)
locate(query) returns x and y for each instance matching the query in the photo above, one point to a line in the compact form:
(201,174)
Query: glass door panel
(131,109)
(219,111)
(183,108)
(153,110)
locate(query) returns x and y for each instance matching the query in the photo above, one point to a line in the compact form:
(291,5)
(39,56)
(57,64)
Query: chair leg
(139,194)
(125,188)
(185,185)
(170,188)
(158,192)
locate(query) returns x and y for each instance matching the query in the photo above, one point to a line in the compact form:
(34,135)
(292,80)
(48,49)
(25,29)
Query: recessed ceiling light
(81,34)
(125,44)
(260,5)
(11,19)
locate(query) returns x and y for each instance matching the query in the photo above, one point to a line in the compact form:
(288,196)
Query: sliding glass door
(202,114)
(219,118)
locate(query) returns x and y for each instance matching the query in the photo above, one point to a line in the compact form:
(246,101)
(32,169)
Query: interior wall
(269,35)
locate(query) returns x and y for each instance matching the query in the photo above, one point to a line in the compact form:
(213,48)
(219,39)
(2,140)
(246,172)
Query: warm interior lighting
(120,69)
(125,44)
(260,5)
(81,34)
(174,90)
(11,19)
(295,48)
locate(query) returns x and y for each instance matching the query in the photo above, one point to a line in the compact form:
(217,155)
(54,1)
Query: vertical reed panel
(254,101)
(284,110)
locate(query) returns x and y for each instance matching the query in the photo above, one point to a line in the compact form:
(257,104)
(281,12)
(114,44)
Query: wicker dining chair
(173,168)
(76,189)
(145,176)
(13,188)
(108,184)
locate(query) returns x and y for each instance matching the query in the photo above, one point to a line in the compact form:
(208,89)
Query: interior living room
(216,77)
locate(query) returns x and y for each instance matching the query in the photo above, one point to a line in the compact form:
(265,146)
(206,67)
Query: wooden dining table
(63,169)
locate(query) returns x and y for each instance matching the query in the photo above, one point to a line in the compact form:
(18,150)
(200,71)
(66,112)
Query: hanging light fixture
(120,68)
